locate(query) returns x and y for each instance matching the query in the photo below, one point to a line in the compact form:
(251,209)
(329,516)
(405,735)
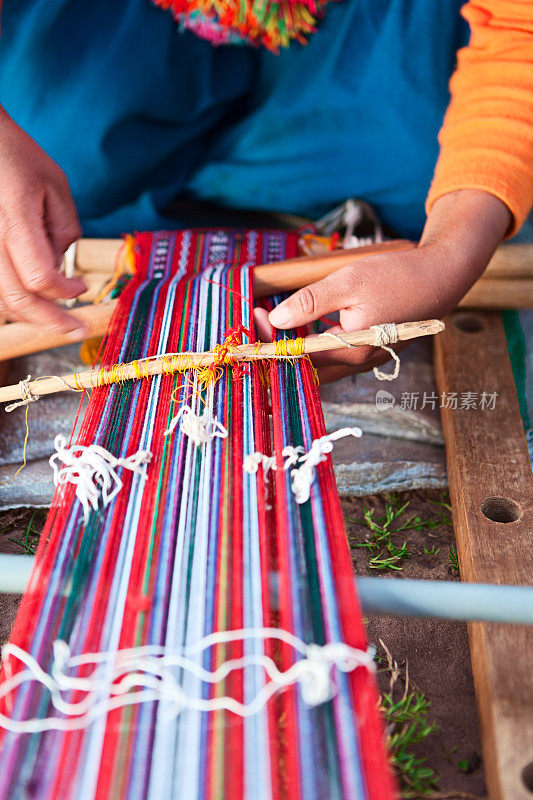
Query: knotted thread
(26,395)
(200,429)
(153,672)
(92,469)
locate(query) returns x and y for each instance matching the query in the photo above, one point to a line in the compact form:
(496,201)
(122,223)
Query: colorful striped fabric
(192,544)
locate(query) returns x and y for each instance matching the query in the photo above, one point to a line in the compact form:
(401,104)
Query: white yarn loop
(304,475)
(153,672)
(387,334)
(26,395)
(252,462)
(92,469)
(200,429)
(292,454)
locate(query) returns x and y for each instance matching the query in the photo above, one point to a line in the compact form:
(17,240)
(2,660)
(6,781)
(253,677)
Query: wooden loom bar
(164,364)
(491,488)
(491,293)
(509,285)
(506,283)
(510,260)
(20,338)
(494,293)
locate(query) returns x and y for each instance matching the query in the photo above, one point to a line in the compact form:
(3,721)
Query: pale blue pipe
(387,596)
(443,599)
(14,573)
(447,600)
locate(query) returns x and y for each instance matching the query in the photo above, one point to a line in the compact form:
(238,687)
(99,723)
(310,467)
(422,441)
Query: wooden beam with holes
(491,490)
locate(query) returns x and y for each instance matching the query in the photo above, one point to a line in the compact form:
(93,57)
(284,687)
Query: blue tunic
(137,113)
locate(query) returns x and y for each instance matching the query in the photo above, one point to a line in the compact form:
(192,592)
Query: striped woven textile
(190,630)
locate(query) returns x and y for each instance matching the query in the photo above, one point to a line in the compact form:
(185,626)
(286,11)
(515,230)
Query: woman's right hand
(38,222)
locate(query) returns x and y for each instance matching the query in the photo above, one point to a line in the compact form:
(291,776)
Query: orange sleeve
(486,141)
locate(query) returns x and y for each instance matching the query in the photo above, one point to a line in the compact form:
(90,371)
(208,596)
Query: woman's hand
(460,237)
(38,221)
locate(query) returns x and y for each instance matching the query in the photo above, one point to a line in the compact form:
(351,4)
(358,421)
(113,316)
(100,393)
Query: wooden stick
(175,362)
(509,261)
(489,293)
(491,490)
(494,293)
(19,338)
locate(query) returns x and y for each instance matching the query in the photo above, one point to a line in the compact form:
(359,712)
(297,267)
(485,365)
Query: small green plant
(453,558)
(446,515)
(409,726)
(30,539)
(406,720)
(432,551)
(381,551)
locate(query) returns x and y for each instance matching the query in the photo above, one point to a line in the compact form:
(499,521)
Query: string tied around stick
(387,334)
(92,469)
(26,394)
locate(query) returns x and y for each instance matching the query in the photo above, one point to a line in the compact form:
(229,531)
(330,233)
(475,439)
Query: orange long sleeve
(486,141)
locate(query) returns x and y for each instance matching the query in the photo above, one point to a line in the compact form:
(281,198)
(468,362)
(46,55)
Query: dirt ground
(436,651)
(433,654)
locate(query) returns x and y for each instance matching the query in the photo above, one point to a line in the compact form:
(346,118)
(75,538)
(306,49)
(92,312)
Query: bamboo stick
(245,352)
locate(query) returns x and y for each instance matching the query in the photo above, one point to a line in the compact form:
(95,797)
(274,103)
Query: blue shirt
(137,112)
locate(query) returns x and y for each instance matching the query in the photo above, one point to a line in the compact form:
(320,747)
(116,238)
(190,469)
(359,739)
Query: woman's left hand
(461,234)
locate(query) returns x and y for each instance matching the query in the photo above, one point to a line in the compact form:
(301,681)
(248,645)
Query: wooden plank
(491,488)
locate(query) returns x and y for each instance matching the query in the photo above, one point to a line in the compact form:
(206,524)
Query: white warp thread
(200,429)
(92,469)
(149,673)
(26,395)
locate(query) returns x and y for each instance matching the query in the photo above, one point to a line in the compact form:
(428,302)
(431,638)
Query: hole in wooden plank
(527,776)
(500,509)
(468,323)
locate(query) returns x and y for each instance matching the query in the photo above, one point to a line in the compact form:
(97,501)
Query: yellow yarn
(223,355)
(290,347)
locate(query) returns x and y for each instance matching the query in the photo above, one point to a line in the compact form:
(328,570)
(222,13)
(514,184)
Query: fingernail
(280,316)
(77,335)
